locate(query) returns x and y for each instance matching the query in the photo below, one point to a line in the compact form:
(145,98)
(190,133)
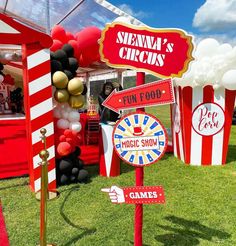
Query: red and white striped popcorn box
(201,123)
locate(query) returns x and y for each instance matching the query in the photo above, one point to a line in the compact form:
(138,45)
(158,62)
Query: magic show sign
(162,52)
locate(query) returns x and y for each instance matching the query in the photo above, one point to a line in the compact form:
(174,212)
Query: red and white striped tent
(37,93)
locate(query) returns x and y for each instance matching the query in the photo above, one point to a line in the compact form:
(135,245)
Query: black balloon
(77,151)
(73,64)
(85,90)
(79,163)
(75,170)
(83,174)
(64,179)
(56,66)
(68,49)
(61,56)
(1,66)
(69,169)
(52,55)
(73,178)
(69,74)
(65,166)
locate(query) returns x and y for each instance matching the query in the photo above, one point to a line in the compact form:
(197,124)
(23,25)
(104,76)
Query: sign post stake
(139,177)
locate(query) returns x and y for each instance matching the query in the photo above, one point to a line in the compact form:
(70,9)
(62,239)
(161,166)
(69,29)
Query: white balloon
(64,105)
(229,79)
(74,116)
(224,48)
(216,86)
(75,126)
(65,114)
(210,77)
(63,124)
(207,47)
(57,113)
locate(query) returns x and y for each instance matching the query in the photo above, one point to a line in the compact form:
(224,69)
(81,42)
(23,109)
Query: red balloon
(70,141)
(57,44)
(91,54)
(64,149)
(68,133)
(78,140)
(88,37)
(8,80)
(62,138)
(69,36)
(58,32)
(83,62)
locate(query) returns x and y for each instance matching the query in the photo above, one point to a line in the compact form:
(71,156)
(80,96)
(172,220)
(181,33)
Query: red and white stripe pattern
(190,146)
(39,112)
(109,161)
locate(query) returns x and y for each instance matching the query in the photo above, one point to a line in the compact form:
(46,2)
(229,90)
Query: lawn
(200,206)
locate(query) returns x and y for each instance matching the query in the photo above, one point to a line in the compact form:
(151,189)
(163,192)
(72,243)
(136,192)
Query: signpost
(140,139)
(158,92)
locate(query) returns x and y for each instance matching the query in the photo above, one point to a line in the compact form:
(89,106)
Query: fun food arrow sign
(158,92)
(162,52)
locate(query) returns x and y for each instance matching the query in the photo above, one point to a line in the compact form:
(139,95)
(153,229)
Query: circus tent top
(73,15)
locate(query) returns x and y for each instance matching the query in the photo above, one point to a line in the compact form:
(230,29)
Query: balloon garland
(69,96)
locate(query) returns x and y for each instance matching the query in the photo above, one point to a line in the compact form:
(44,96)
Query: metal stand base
(52,194)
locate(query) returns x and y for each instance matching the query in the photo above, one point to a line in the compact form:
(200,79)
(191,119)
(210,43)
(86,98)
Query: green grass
(200,206)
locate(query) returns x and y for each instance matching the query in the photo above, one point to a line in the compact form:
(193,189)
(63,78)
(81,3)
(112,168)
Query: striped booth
(201,123)
(37,93)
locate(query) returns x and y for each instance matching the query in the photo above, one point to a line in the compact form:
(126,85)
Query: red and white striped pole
(39,110)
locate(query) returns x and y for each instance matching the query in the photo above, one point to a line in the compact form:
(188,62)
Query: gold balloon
(76,101)
(59,80)
(75,86)
(61,95)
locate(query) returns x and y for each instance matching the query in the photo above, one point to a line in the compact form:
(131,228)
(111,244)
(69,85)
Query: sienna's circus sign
(139,139)
(163,52)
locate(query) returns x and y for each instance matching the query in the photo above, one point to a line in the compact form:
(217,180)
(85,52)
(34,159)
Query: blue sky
(203,18)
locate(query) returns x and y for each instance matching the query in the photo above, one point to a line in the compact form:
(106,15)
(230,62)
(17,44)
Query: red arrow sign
(158,92)
(136,195)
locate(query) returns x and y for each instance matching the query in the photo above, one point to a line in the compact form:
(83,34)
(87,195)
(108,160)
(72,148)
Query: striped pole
(39,111)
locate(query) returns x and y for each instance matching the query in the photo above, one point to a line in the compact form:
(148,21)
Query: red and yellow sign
(163,52)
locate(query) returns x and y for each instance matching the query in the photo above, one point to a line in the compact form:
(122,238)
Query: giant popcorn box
(201,123)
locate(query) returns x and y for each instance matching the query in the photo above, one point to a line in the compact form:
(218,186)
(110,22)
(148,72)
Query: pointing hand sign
(116,194)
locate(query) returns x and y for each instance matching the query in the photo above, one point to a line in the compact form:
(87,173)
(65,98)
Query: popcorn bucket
(201,123)
(109,162)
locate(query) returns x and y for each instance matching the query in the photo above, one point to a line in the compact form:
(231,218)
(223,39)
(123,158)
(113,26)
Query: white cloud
(127,9)
(216,15)
(221,38)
